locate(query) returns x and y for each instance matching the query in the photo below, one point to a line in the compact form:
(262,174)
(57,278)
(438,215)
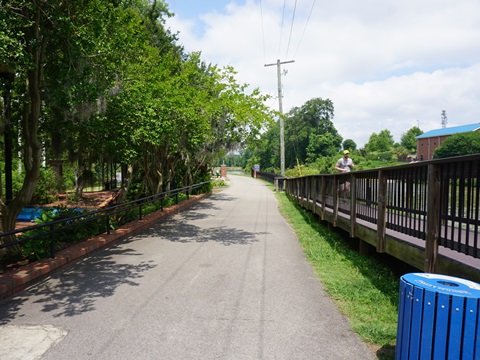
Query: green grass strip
(364,289)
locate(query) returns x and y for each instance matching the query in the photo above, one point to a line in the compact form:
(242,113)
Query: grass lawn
(363,288)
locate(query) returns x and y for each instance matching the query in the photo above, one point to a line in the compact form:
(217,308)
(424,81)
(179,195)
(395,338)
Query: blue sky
(384,64)
(191,9)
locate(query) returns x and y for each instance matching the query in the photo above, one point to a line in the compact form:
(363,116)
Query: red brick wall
(426,147)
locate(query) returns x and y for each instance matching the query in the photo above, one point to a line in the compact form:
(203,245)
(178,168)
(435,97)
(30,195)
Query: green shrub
(67,233)
(47,187)
(219,183)
(36,249)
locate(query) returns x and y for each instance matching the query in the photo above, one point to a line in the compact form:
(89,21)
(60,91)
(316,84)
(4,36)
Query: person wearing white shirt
(344,165)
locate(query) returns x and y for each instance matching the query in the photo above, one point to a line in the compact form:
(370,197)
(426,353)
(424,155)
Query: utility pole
(280,109)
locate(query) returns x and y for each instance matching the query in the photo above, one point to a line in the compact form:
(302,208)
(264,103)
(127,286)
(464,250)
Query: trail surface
(225,279)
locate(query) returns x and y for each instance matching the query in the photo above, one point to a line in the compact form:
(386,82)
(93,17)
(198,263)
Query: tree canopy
(310,133)
(381,142)
(349,144)
(408,139)
(105,82)
(459,144)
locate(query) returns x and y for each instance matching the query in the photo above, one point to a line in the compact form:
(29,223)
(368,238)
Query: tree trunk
(79,189)
(35,45)
(79,183)
(126,184)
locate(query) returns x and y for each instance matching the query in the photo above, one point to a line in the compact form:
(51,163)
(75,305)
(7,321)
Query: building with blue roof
(429,141)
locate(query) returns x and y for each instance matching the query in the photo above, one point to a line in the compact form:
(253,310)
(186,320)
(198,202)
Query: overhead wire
(263,33)
(281,28)
(291,29)
(304,30)
(264,48)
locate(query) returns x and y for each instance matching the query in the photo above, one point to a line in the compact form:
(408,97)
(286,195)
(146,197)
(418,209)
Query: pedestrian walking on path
(226,279)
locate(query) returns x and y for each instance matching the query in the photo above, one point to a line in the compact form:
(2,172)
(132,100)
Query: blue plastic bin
(438,318)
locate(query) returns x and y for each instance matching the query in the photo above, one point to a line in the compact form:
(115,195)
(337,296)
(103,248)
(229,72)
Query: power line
(304,29)
(281,28)
(263,33)
(291,28)
(294,17)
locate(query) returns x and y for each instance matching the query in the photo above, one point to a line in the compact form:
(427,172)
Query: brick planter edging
(16,281)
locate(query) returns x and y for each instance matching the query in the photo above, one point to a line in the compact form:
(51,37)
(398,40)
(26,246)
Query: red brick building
(429,141)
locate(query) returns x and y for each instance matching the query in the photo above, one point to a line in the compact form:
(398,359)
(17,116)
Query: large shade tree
(62,54)
(29,28)
(309,132)
(349,144)
(458,145)
(106,80)
(266,151)
(179,115)
(85,65)
(381,142)
(408,139)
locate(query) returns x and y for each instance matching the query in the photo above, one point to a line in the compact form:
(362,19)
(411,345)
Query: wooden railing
(414,211)
(276,179)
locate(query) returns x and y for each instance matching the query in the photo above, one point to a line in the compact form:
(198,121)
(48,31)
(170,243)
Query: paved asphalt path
(225,279)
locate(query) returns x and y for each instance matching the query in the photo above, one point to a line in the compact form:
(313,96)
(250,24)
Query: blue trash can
(438,318)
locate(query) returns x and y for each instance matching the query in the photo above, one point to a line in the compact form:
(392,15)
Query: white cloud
(384,64)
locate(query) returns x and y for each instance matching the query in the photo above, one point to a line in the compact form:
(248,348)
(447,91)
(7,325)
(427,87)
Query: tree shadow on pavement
(180,228)
(186,233)
(10,308)
(222,197)
(202,209)
(75,291)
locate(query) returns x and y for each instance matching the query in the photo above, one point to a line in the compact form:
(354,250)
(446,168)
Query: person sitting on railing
(344,165)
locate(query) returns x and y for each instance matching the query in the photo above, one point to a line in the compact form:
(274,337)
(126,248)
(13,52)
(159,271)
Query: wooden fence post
(433,218)
(382,211)
(302,191)
(324,195)
(309,192)
(335,200)
(353,205)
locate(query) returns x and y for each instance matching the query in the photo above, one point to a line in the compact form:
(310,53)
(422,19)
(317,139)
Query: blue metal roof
(449,131)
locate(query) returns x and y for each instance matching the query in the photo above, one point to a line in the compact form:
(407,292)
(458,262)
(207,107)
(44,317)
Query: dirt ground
(90,200)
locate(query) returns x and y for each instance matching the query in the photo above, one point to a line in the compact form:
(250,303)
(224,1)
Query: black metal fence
(47,237)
